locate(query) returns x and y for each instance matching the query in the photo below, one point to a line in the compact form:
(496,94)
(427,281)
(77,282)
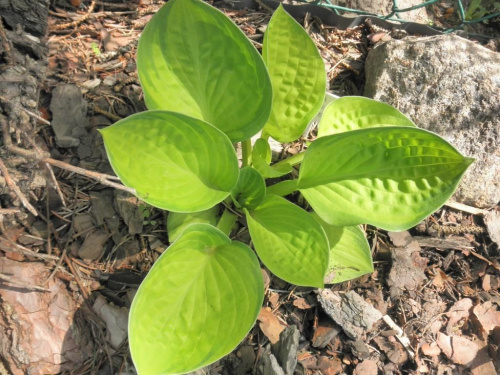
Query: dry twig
(13,188)
(403,339)
(76,22)
(7,245)
(100,177)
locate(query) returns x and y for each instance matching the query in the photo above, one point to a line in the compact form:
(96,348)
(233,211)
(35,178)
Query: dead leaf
(431,349)
(440,278)
(459,311)
(274,299)
(460,350)
(302,304)
(491,282)
(487,316)
(266,277)
(270,325)
(482,363)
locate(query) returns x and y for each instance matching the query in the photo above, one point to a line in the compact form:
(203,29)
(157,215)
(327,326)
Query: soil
(75,244)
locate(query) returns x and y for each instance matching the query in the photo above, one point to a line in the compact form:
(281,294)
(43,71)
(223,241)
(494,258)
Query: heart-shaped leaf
(289,241)
(350,254)
(194,60)
(261,159)
(297,74)
(177,222)
(250,189)
(390,177)
(168,159)
(357,112)
(197,303)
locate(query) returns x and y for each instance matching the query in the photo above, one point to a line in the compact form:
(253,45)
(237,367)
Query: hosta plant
(207,88)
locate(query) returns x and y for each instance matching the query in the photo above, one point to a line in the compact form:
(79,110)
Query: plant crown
(207,88)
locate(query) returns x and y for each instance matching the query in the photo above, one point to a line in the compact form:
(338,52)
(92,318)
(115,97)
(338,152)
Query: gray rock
(69,115)
(285,350)
(384,7)
(450,86)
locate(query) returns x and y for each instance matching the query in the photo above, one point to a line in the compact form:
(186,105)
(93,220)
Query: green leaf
(297,74)
(250,189)
(356,112)
(197,303)
(390,177)
(289,241)
(194,60)
(350,254)
(168,158)
(261,158)
(177,222)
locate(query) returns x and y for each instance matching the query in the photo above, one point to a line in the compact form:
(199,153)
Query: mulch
(431,306)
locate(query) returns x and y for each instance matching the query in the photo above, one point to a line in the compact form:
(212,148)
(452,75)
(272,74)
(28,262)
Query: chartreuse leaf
(192,59)
(250,189)
(357,112)
(168,159)
(197,303)
(261,160)
(178,221)
(289,241)
(350,255)
(390,177)
(297,74)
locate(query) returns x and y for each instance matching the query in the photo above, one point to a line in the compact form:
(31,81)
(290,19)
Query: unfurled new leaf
(261,160)
(356,112)
(196,304)
(390,177)
(192,59)
(177,222)
(298,77)
(350,255)
(250,189)
(168,159)
(289,241)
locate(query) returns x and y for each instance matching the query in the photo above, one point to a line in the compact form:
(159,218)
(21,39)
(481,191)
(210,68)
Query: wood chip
(350,311)
(487,316)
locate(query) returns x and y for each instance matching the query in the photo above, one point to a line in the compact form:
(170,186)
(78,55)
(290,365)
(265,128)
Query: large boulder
(450,86)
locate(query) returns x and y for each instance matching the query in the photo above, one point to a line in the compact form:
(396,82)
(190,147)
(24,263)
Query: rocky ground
(75,244)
